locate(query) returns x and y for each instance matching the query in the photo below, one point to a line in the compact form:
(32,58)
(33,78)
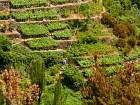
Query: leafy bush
(35,15)
(5,47)
(52,58)
(36,72)
(48,78)
(88,72)
(5,59)
(136,2)
(85,63)
(5,44)
(110,70)
(53,70)
(90,49)
(52,14)
(36,3)
(67,96)
(31,30)
(72,76)
(120,29)
(63,34)
(22,56)
(109,60)
(42,43)
(56,26)
(65,12)
(88,39)
(89,9)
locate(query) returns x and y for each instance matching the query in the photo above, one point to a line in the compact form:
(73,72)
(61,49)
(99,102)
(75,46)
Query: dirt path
(57,50)
(96,17)
(10,33)
(4,0)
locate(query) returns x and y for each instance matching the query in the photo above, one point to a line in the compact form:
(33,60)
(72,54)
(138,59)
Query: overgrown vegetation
(70,52)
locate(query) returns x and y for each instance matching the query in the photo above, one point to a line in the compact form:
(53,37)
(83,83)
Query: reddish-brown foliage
(122,30)
(14,95)
(123,88)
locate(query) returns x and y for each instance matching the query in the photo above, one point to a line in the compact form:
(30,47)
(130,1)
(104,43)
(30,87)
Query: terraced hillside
(41,19)
(65,40)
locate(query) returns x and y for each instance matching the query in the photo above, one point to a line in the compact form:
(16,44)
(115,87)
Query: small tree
(37,74)
(5,46)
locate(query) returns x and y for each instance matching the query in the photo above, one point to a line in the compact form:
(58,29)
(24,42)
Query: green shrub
(110,70)
(5,59)
(85,63)
(5,43)
(65,12)
(90,49)
(54,69)
(22,56)
(42,43)
(72,76)
(110,60)
(88,72)
(36,71)
(31,30)
(87,38)
(56,26)
(5,47)
(52,58)
(63,34)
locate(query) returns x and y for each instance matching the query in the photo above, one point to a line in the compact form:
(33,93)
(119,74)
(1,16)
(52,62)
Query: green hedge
(56,26)
(88,49)
(42,43)
(30,30)
(35,15)
(64,34)
(72,76)
(111,60)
